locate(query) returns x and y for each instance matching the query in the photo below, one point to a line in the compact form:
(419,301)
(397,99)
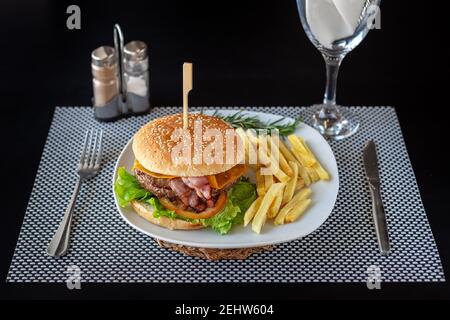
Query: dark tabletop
(245,53)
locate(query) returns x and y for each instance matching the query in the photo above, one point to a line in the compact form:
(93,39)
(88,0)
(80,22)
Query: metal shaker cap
(104,56)
(135,51)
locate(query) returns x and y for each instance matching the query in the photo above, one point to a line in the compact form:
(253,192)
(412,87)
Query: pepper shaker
(104,75)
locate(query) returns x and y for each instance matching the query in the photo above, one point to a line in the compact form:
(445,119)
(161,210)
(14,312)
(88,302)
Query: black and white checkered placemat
(106,249)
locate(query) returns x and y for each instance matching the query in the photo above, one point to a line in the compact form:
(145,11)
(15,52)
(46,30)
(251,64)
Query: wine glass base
(334,122)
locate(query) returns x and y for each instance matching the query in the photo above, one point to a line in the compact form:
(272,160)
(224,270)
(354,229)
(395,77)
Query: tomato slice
(208,213)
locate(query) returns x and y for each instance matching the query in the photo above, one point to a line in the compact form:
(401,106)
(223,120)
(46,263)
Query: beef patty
(157,186)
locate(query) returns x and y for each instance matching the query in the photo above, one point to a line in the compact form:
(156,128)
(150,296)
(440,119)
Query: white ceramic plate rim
(232,240)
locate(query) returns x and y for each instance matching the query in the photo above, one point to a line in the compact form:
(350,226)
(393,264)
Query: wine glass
(336,27)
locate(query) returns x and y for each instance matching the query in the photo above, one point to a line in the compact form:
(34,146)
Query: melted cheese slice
(220,180)
(138,166)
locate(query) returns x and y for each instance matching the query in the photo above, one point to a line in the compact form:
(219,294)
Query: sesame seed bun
(156,142)
(146,211)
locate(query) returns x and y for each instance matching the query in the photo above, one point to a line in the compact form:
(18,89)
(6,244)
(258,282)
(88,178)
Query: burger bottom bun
(146,211)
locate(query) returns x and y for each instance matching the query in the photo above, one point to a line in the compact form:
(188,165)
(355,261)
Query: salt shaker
(136,78)
(105,75)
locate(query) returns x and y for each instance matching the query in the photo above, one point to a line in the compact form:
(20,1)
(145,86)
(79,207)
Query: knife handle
(379,219)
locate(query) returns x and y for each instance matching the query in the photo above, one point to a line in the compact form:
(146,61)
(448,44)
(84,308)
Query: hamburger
(184,179)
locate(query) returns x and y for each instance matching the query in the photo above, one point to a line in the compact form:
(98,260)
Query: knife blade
(370,160)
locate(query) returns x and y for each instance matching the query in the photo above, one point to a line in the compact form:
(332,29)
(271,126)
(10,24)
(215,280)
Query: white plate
(323,195)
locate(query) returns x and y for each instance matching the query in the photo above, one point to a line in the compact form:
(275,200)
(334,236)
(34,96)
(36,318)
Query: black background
(244,53)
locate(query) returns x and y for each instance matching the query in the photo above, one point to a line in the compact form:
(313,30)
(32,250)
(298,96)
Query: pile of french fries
(283,191)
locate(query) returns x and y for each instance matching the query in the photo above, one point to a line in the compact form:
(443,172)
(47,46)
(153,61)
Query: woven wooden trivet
(213,254)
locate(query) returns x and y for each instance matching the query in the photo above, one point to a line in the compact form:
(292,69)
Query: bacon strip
(193,191)
(200,185)
(181,190)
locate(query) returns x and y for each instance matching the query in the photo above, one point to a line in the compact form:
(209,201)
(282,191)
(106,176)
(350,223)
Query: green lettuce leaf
(240,197)
(127,188)
(224,220)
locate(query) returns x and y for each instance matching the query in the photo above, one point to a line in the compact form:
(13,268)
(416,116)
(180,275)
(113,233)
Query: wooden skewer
(187,86)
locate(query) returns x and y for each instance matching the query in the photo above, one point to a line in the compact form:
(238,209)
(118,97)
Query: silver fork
(88,166)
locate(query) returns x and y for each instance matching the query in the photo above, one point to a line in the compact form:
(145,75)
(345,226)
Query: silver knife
(379,217)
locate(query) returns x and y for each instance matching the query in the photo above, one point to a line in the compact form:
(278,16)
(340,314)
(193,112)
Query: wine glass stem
(332,64)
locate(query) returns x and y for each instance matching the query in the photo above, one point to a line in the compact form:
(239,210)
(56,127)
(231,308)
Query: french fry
(250,213)
(290,187)
(252,137)
(253,147)
(321,172)
(308,174)
(268,182)
(306,159)
(250,149)
(304,174)
(286,152)
(275,142)
(300,149)
(293,203)
(263,151)
(305,145)
(285,166)
(275,207)
(240,132)
(298,211)
(300,184)
(277,171)
(261,215)
(260,185)
(308,171)
(281,176)
(290,157)
(312,174)
(270,159)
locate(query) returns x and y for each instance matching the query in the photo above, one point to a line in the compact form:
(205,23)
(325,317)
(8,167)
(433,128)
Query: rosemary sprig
(241,120)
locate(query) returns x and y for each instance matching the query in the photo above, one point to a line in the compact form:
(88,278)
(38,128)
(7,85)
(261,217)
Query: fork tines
(92,149)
